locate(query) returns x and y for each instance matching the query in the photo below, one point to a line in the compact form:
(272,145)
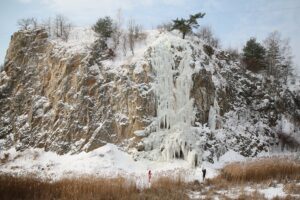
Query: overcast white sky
(233,21)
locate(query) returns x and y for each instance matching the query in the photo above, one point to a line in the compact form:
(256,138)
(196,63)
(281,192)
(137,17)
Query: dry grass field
(230,184)
(87,188)
(279,169)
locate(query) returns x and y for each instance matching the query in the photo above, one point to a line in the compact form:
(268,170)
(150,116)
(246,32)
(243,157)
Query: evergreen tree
(254,55)
(186,25)
(104,27)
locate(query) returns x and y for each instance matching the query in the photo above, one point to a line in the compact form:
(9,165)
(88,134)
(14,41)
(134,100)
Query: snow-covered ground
(79,41)
(236,192)
(108,161)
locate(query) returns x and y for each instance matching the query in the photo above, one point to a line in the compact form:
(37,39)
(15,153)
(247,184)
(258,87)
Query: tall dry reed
(262,170)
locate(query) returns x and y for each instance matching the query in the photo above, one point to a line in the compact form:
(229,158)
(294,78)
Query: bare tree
(131,35)
(278,56)
(47,25)
(56,26)
(24,23)
(34,23)
(206,34)
(287,62)
(273,57)
(137,31)
(119,18)
(165,27)
(66,32)
(27,23)
(124,44)
(233,53)
(117,29)
(62,27)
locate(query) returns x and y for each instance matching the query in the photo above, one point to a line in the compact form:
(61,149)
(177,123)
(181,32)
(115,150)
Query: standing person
(203,173)
(149,177)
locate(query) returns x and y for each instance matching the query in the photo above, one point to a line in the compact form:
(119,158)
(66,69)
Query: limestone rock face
(54,100)
(203,92)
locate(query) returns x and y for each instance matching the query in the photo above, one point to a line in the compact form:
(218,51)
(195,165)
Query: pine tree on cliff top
(186,25)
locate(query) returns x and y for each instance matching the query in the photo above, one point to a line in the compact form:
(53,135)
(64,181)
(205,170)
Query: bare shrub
(131,35)
(117,30)
(27,23)
(62,27)
(278,56)
(47,25)
(165,27)
(124,44)
(233,53)
(208,50)
(135,34)
(206,34)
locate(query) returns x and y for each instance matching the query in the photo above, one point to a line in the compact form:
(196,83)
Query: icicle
(213,116)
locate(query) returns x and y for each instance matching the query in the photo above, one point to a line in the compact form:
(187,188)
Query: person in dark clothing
(149,176)
(203,173)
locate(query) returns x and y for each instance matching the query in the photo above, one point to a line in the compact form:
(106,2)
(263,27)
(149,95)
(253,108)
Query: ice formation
(175,111)
(173,85)
(213,117)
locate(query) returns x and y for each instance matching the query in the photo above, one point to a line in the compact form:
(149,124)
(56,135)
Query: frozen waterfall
(173,85)
(172,62)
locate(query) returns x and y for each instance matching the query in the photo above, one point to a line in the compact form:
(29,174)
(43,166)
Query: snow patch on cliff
(80,40)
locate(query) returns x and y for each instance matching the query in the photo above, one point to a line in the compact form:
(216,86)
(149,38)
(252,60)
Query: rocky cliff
(53,97)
